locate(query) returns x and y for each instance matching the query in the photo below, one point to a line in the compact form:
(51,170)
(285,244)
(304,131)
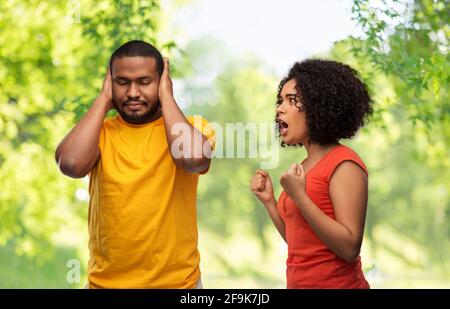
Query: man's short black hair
(138,48)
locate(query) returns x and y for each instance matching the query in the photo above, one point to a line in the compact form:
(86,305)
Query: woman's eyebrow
(287,95)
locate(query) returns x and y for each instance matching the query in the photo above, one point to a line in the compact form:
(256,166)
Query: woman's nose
(280,108)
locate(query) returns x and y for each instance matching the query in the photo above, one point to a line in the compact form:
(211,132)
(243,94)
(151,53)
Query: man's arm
(197,156)
(78,152)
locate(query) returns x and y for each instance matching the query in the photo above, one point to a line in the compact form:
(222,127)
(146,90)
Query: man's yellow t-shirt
(142,210)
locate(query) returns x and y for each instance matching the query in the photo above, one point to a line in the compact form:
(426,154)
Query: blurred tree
(409,42)
(242,97)
(53,56)
(50,72)
(405,152)
(403,55)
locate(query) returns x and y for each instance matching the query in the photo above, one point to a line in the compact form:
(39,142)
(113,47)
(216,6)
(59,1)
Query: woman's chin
(285,139)
(289,140)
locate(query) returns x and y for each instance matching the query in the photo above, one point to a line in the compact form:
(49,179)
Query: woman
(321,211)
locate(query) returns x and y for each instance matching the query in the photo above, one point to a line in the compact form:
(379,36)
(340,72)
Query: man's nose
(133,91)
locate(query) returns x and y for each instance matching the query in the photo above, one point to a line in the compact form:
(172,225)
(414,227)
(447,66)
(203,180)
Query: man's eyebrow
(140,77)
(121,77)
(291,95)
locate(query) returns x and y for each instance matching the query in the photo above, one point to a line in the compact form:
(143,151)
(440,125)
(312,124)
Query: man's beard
(138,118)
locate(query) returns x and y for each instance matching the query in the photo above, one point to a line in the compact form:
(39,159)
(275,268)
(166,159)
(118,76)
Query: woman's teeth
(283,126)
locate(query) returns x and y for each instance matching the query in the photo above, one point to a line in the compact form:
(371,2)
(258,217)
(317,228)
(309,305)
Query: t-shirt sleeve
(203,126)
(101,143)
(101,139)
(206,129)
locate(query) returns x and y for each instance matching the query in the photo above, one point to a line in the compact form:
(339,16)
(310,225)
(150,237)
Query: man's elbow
(69,167)
(194,166)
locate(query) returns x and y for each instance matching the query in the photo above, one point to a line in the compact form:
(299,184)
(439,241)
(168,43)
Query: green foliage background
(53,55)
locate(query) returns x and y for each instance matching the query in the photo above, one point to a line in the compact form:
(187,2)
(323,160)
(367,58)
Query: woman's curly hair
(335,101)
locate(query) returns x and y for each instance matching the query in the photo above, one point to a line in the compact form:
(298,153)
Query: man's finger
(166,66)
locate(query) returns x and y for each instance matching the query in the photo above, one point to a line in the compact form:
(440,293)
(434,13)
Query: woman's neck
(315,151)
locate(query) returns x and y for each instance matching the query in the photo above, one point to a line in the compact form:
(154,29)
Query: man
(142,209)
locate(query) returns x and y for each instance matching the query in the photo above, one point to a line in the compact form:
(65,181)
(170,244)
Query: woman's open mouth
(282,126)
